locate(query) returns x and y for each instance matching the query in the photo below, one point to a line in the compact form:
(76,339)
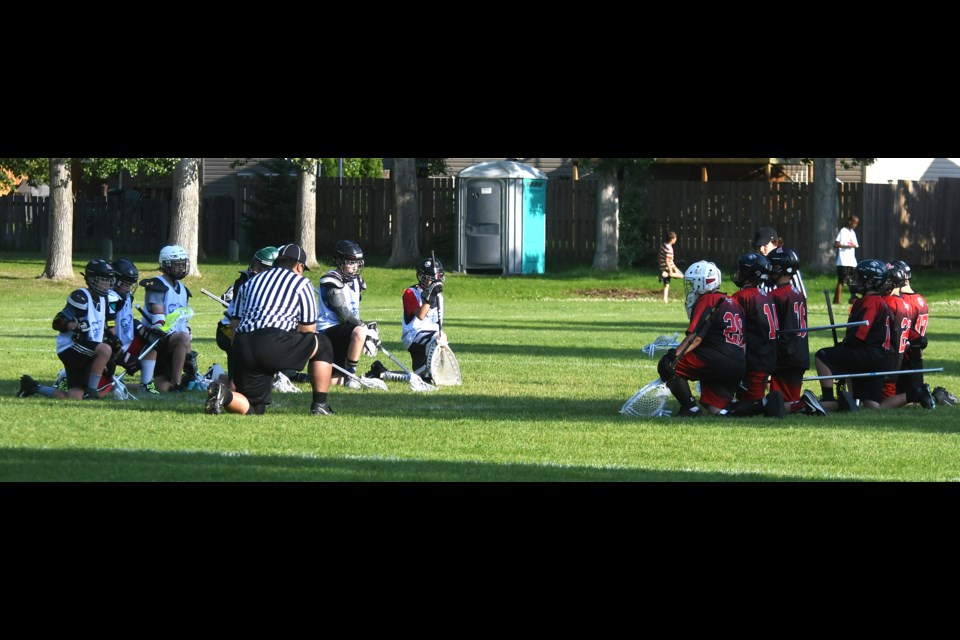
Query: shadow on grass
(84,465)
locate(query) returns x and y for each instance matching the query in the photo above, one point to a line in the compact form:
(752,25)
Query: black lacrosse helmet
(783,262)
(428,271)
(894,279)
(126,273)
(346,254)
(752,268)
(907,274)
(99,276)
(868,275)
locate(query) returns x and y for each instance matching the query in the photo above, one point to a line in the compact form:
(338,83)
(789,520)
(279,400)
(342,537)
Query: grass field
(547,362)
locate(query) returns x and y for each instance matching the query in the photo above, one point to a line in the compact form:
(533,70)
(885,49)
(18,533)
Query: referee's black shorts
(258,355)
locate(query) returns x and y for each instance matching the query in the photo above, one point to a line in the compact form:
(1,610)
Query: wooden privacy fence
(912,221)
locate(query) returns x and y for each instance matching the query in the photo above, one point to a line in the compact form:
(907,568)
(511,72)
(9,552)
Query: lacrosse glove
(82,327)
(431,292)
(665,367)
(919,343)
(372,344)
(129,362)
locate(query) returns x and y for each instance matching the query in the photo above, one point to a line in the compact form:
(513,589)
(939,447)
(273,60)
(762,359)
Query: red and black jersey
(919,314)
(899,325)
(793,347)
(722,344)
(874,310)
(760,328)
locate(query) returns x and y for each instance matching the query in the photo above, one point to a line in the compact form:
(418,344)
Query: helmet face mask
(175,261)
(348,256)
(700,278)
(99,276)
(429,271)
(127,275)
(907,272)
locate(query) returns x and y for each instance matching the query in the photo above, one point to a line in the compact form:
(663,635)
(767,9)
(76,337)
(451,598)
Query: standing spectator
(274,319)
(846,245)
(668,268)
(715,355)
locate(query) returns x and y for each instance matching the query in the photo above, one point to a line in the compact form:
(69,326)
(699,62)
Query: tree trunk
(406,230)
(826,213)
(606,255)
(306,229)
(60,252)
(185,209)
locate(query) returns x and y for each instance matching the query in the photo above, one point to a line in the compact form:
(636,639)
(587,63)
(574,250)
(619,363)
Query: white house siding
(886,170)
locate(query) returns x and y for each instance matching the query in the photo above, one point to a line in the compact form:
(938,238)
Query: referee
(274,320)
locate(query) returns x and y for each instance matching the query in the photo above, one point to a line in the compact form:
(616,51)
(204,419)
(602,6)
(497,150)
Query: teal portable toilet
(501,218)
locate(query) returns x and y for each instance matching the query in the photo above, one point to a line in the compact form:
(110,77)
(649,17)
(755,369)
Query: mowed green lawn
(547,362)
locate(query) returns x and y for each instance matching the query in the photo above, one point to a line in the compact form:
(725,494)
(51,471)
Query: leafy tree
(405,250)
(826,207)
(58,173)
(352,167)
(621,219)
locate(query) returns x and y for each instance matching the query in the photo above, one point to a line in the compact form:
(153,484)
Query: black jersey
(760,328)
(793,347)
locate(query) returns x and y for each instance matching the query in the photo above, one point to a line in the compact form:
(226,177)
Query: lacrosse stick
(872,373)
(841,384)
(441,361)
(858,323)
(416,382)
(651,399)
(217,298)
(369,383)
(662,342)
(120,389)
(282,384)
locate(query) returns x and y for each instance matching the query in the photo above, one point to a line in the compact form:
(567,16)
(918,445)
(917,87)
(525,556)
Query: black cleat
(774,407)
(942,396)
(847,402)
(692,412)
(216,394)
(922,396)
(28,387)
(813,405)
(376,370)
(321,409)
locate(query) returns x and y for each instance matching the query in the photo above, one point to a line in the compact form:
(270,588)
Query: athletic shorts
(77,365)
(259,355)
(717,384)
(754,386)
(843,359)
(843,272)
(788,382)
(340,335)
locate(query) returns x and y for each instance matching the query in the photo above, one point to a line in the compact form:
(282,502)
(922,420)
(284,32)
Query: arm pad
(335,300)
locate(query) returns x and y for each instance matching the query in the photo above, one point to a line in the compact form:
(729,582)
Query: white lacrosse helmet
(175,261)
(700,278)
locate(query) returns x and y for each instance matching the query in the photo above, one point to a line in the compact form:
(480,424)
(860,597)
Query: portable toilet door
(502,223)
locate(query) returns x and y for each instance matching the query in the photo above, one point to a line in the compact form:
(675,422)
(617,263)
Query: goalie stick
(215,297)
(652,398)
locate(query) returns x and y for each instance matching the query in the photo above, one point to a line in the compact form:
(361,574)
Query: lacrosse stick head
(649,401)
(177,320)
(442,364)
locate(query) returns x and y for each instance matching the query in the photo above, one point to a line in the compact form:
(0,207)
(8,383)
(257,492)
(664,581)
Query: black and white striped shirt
(276,298)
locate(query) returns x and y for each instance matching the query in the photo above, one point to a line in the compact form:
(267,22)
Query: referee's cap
(294,251)
(764,235)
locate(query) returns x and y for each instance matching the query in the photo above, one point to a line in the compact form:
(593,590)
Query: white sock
(146,372)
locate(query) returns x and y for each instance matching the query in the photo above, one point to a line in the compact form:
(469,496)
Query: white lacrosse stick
(441,361)
(662,342)
(416,382)
(648,401)
(282,384)
(369,383)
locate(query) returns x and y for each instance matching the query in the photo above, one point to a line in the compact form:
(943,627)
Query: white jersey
(83,304)
(352,294)
(122,309)
(430,321)
(846,256)
(161,292)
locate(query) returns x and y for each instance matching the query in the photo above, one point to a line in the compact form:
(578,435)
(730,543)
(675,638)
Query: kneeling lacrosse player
(713,349)
(421,321)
